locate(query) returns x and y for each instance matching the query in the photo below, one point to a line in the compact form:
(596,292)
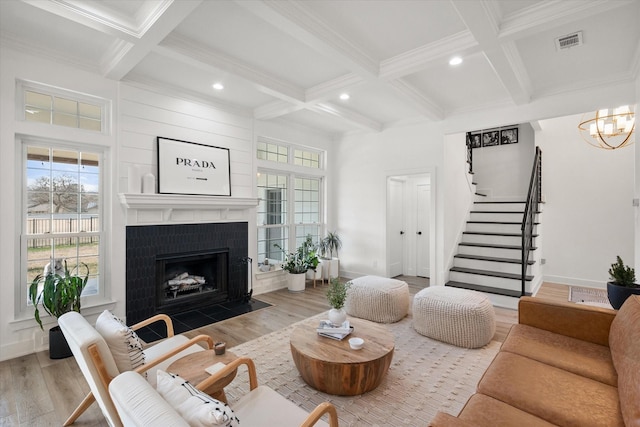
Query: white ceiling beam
(424,105)
(347,115)
(118,62)
(462,43)
(482,22)
(276,109)
(333,88)
(204,58)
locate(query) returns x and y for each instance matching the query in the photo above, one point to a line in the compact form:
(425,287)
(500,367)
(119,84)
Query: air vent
(569,41)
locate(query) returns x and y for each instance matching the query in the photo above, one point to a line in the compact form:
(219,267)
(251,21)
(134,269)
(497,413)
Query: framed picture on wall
(490,138)
(191,168)
(509,136)
(476,140)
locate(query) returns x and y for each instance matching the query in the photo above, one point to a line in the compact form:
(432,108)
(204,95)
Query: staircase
(489,257)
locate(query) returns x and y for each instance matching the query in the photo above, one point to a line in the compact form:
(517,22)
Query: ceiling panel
(53,34)
(471,85)
(236,91)
(379,102)
(385,29)
(608,38)
(228,28)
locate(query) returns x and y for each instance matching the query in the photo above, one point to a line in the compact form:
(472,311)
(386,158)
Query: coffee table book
(326,329)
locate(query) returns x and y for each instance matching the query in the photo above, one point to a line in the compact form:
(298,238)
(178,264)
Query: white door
(423,230)
(395,226)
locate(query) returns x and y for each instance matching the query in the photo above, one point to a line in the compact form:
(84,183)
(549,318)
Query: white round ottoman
(378,299)
(457,316)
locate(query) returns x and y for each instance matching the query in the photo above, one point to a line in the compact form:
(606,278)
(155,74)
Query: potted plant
(337,296)
(622,284)
(327,246)
(58,294)
(297,263)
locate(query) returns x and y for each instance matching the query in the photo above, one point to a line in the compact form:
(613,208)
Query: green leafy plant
(622,275)
(303,259)
(329,244)
(337,293)
(57,294)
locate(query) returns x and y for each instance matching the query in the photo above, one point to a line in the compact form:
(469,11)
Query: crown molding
(348,115)
(425,106)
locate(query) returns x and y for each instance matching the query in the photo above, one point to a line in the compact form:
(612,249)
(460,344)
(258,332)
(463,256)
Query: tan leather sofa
(563,364)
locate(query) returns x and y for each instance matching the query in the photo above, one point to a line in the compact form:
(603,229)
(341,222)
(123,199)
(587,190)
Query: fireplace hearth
(176,268)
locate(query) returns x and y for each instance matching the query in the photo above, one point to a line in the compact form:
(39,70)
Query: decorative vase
(337,316)
(296,282)
(618,294)
(58,346)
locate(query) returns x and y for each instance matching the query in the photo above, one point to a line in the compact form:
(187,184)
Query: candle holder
(219,348)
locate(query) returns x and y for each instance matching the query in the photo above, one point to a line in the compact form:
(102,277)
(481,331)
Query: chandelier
(610,128)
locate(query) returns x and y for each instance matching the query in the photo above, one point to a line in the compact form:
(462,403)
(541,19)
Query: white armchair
(99,366)
(139,404)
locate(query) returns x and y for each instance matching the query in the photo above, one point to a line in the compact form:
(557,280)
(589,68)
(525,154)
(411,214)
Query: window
(62,214)
(55,107)
(290,203)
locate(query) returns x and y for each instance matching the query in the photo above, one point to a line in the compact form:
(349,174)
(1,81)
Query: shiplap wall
(145,115)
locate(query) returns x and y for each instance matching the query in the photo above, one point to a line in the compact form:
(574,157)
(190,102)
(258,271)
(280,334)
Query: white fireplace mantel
(145,208)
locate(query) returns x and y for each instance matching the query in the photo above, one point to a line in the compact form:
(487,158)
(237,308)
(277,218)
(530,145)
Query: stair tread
(490,273)
(493,259)
(499,212)
(488,233)
(501,201)
(490,245)
(499,222)
(486,289)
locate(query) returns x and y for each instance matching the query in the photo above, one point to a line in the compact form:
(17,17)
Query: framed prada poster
(191,168)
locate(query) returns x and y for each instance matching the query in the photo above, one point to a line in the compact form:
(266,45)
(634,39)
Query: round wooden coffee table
(331,366)
(192,368)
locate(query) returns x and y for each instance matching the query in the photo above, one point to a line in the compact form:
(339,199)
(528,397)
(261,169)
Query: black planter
(58,347)
(618,294)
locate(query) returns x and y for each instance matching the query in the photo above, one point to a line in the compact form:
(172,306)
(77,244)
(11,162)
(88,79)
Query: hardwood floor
(38,391)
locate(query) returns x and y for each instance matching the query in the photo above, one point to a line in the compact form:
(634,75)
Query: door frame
(413,173)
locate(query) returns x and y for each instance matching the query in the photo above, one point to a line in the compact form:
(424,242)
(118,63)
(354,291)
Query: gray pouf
(460,317)
(378,299)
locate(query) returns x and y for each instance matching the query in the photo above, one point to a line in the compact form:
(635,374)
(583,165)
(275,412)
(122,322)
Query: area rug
(425,376)
(589,296)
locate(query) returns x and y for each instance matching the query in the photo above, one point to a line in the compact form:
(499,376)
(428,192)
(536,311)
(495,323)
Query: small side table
(192,368)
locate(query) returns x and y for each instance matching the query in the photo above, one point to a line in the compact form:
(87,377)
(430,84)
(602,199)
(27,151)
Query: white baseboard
(572,281)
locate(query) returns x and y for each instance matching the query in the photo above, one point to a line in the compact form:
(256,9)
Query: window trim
(21,308)
(23,86)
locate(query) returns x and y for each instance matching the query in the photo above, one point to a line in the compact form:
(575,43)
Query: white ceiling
(290,60)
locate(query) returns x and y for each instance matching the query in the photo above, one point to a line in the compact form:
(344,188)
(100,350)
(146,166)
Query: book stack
(326,329)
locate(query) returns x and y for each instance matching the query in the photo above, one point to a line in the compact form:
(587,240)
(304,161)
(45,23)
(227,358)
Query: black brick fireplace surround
(145,243)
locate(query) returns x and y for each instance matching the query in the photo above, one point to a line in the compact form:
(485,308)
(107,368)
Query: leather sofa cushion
(553,394)
(481,410)
(624,341)
(573,355)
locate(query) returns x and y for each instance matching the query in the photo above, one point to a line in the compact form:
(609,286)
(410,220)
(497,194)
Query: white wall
(588,215)
(19,333)
(362,163)
(502,172)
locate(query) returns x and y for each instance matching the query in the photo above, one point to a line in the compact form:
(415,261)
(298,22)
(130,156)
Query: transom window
(62,108)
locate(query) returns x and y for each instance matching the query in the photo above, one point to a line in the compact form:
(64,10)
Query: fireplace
(181,267)
(184,278)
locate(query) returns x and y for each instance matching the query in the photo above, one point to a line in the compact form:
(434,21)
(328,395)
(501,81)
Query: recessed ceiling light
(456,60)
(344,96)
(218,86)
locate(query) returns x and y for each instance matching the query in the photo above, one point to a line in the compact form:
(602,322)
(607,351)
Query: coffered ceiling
(291,60)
